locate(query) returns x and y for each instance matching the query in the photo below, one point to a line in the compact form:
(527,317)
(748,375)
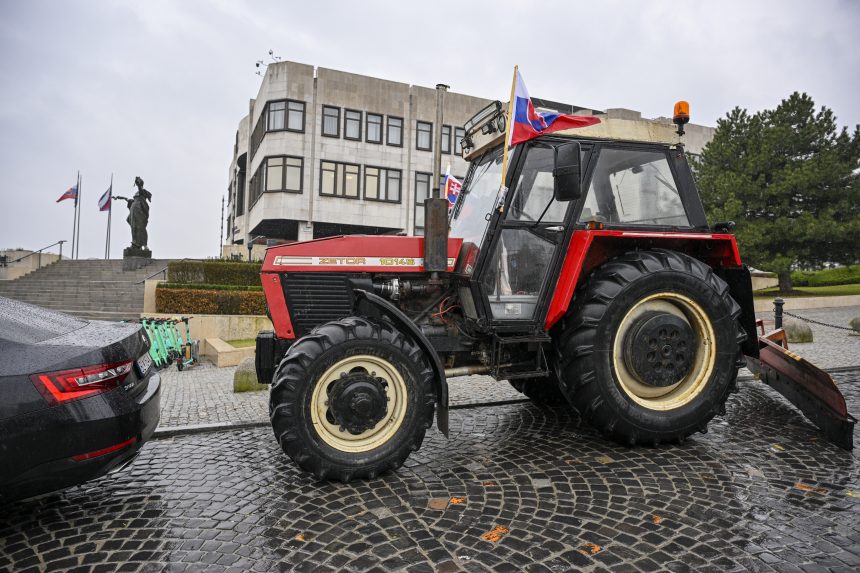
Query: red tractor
(590,277)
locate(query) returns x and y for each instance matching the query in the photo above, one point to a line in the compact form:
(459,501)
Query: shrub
(827,277)
(209,287)
(214,272)
(173,300)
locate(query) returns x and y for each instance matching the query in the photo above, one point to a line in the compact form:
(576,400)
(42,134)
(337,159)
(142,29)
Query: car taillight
(65,385)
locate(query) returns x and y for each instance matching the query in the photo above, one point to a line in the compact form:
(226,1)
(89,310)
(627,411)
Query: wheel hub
(659,349)
(358,401)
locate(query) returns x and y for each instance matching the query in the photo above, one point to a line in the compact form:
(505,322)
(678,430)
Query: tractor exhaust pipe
(436,207)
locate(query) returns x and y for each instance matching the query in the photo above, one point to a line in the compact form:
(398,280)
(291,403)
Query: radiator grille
(316,298)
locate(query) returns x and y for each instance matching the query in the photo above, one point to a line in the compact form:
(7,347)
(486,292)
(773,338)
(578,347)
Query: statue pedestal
(134,258)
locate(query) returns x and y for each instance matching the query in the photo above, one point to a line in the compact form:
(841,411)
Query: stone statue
(138,218)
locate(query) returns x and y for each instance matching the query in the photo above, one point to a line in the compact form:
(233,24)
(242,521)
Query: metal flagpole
(80,198)
(75,215)
(110,207)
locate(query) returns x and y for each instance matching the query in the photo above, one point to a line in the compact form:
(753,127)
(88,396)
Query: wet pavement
(516,488)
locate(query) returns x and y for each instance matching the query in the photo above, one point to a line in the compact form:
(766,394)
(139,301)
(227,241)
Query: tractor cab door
(514,276)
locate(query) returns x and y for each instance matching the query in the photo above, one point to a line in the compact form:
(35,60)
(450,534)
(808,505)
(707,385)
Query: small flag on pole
(104,200)
(71,193)
(452,188)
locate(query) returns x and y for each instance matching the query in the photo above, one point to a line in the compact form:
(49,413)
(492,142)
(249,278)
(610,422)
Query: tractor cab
(515,235)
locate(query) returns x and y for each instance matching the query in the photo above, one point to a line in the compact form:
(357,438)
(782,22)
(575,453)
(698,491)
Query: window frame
(340,181)
(382,184)
(268,112)
(347,111)
(388,130)
(287,115)
(323,118)
(418,131)
(367,127)
(459,135)
(420,205)
(446,139)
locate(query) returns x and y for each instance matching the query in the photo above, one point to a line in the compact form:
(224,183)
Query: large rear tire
(352,399)
(650,349)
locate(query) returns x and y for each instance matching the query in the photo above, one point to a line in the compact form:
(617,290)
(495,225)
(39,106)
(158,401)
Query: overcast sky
(157,88)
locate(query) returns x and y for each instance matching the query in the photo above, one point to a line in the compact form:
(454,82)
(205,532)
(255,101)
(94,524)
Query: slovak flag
(452,188)
(71,193)
(104,200)
(529,123)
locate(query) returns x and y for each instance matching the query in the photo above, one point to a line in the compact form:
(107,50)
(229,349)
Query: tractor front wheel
(650,349)
(352,399)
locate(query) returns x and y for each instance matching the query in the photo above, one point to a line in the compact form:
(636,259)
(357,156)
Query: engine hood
(354,253)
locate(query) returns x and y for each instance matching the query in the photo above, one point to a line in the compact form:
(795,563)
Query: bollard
(777,312)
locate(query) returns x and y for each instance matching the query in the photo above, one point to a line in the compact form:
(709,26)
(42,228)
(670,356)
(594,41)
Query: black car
(78,398)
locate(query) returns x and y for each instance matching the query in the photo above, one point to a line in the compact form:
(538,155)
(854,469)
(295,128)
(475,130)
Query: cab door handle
(556,229)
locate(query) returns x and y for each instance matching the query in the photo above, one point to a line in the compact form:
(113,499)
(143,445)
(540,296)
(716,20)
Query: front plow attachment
(806,386)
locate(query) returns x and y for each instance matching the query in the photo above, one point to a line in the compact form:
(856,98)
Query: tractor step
(502,369)
(806,386)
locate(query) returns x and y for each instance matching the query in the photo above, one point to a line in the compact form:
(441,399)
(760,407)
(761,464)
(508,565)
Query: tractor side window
(515,273)
(534,190)
(633,187)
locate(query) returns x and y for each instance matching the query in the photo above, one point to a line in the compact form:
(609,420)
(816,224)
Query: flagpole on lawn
(508,126)
(75,215)
(78,209)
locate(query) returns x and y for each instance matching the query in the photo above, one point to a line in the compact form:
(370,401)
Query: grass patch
(242,342)
(833,290)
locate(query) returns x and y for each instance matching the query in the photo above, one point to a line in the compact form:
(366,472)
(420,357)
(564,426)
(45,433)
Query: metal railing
(163,272)
(39,252)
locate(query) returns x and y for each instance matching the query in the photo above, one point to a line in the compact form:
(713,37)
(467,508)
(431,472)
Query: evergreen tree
(791,182)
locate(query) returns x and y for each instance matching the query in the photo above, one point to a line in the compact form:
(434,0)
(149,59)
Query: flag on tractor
(529,123)
(71,193)
(104,200)
(452,189)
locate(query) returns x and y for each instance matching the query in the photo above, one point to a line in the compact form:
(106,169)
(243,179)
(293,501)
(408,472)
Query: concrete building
(323,152)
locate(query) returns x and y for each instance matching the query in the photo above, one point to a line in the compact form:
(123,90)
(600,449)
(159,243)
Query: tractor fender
(371,305)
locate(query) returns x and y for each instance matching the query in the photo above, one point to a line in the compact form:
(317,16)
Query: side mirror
(567,172)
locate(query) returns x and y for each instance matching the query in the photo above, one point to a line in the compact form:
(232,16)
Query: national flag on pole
(529,123)
(71,193)
(104,200)
(452,188)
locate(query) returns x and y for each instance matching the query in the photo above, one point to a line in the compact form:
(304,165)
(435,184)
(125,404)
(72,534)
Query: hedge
(210,287)
(209,301)
(214,272)
(827,277)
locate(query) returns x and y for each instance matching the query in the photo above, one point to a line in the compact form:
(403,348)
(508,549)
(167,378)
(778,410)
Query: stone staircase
(92,289)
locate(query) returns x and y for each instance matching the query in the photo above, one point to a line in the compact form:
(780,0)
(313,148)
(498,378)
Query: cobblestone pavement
(515,488)
(204,395)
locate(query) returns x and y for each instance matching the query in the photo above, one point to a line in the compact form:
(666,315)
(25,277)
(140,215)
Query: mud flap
(806,386)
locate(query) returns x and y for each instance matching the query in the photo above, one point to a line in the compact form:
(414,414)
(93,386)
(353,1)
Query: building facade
(323,152)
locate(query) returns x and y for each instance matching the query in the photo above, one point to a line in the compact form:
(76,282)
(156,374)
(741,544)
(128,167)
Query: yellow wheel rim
(691,385)
(329,431)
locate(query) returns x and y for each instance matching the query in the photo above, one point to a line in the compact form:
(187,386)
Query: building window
(276,115)
(422,193)
(285,114)
(423,136)
(374,128)
(351,124)
(446,139)
(382,184)
(331,121)
(395,131)
(283,174)
(459,135)
(339,179)
(295,115)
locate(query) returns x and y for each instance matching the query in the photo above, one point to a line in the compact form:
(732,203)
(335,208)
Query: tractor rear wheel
(542,391)
(650,349)
(352,399)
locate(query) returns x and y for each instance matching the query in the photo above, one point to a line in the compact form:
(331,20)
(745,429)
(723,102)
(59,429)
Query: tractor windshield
(470,216)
